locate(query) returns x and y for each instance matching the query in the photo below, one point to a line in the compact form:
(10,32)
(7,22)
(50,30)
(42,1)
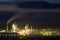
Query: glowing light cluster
(25,32)
(22,32)
(3,31)
(46,33)
(14,28)
(29,30)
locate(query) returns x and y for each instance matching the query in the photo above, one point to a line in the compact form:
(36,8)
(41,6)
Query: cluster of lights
(14,28)
(3,31)
(46,33)
(27,31)
(22,32)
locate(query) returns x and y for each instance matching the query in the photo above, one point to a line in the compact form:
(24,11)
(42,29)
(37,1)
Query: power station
(29,30)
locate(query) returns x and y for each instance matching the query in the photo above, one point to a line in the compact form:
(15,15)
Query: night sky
(4,17)
(35,17)
(41,18)
(51,1)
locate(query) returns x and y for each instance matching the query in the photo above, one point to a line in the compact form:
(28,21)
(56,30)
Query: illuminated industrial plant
(28,30)
(25,31)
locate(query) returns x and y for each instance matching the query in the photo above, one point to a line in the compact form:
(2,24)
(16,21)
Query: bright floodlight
(14,28)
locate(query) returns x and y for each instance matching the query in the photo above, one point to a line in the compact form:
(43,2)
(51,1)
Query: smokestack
(7,28)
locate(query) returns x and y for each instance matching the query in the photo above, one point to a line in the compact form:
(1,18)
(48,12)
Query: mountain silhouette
(38,4)
(33,4)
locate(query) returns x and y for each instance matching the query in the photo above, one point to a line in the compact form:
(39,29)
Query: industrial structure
(27,30)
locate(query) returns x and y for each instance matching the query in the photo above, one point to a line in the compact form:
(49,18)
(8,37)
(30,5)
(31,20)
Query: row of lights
(11,35)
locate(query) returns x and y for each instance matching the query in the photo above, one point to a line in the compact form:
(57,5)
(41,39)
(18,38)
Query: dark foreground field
(31,38)
(43,38)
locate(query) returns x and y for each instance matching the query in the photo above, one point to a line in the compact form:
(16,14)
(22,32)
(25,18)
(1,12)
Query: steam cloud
(39,17)
(17,16)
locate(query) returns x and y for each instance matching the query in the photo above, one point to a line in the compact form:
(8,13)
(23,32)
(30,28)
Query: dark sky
(51,1)
(34,17)
(4,17)
(37,18)
(41,18)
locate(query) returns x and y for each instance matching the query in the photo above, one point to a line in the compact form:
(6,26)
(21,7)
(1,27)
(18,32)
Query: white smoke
(17,16)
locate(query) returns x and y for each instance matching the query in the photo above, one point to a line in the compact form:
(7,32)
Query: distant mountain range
(38,4)
(8,3)
(33,4)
